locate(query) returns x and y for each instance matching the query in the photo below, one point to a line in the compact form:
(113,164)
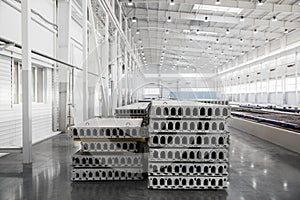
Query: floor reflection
(136,190)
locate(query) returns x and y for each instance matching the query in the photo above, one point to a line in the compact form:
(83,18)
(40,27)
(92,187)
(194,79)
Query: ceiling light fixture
(260,3)
(134,20)
(242,18)
(206,19)
(129,3)
(172,3)
(169,19)
(218,2)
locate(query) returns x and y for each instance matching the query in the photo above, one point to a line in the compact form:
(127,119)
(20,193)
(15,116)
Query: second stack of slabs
(188,145)
(136,110)
(109,150)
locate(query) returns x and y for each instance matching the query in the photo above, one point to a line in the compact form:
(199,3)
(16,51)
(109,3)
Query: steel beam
(247,5)
(141,13)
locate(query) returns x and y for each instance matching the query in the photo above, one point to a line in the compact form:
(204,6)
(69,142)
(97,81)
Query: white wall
(269,74)
(11,114)
(42,40)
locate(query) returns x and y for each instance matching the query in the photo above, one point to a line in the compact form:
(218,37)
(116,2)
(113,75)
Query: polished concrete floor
(259,170)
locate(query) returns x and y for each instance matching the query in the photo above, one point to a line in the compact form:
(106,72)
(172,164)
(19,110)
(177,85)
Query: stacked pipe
(136,110)
(110,150)
(188,145)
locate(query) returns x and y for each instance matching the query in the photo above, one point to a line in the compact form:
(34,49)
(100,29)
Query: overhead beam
(199,49)
(213,39)
(143,25)
(210,41)
(142,13)
(247,5)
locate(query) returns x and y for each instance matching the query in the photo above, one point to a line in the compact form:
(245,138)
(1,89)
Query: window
(272,85)
(252,87)
(290,84)
(152,91)
(298,82)
(279,84)
(16,82)
(40,85)
(258,86)
(33,84)
(264,86)
(37,74)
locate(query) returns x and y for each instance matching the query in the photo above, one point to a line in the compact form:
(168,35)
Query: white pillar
(114,70)
(63,53)
(26,83)
(85,62)
(126,76)
(120,69)
(296,78)
(105,63)
(129,79)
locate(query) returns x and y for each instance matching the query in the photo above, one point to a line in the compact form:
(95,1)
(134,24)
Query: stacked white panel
(136,110)
(189,145)
(110,150)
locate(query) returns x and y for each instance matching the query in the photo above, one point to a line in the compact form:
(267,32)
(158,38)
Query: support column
(114,72)
(129,79)
(119,70)
(63,53)
(85,93)
(105,63)
(94,60)
(26,83)
(296,77)
(126,76)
